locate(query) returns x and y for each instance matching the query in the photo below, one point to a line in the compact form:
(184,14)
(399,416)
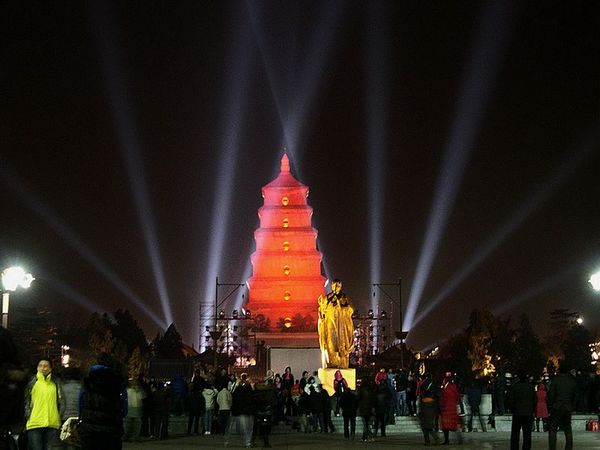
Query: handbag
(69,431)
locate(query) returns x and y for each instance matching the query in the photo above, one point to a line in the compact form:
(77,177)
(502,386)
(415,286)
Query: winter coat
(315,401)
(39,392)
(210,397)
(541,407)
(161,402)
(242,403)
(178,386)
(196,405)
(523,398)
(339,383)
(265,400)
(102,403)
(349,403)
(12,386)
(135,401)
(382,399)
(449,403)
(224,399)
(401,382)
(287,381)
(71,389)
(562,393)
(474,396)
(366,401)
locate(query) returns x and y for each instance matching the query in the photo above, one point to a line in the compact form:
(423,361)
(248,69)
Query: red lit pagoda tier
(286,266)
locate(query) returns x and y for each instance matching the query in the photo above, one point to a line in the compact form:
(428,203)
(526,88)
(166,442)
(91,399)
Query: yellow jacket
(43,399)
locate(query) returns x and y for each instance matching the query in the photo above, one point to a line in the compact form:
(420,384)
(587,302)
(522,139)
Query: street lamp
(595,281)
(12,278)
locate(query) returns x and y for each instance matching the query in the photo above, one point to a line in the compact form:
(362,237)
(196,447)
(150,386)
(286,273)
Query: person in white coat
(210,399)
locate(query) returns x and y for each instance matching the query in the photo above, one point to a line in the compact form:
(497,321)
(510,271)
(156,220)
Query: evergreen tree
(576,348)
(529,352)
(168,345)
(126,329)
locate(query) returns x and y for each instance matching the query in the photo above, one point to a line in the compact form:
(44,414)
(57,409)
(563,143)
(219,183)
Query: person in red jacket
(450,396)
(541,408)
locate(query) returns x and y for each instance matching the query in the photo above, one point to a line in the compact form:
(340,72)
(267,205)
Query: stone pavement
(282,438)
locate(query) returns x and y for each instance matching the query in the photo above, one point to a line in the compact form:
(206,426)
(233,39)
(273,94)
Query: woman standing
(541,407)
(449,404)
(287,382)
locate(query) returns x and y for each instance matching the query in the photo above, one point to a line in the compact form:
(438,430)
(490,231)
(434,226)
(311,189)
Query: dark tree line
(490,342)
(38,333)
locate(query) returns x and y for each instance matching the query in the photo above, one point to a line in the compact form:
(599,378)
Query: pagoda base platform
(300,351)
(282,339)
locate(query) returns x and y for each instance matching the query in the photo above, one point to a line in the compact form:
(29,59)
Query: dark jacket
(102,403)
(562,393)
(242,401)
(349,403)
(474,396)
(316,402)
(401,381)
(265,401)
(196,405)
(366,401)
(523,398)
(382,398)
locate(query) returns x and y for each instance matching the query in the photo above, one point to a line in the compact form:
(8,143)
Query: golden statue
(336,330)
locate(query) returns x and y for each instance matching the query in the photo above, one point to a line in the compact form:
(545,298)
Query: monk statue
(336,330)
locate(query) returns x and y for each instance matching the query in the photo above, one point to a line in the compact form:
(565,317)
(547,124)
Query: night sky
(112,113)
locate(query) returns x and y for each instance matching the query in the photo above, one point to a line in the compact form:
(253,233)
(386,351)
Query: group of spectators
(88,412)
(99,409)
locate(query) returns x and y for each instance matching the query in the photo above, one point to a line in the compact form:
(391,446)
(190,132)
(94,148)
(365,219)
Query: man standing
(561,399)
(102,406)
(242,410)
(523,406)
(43,406)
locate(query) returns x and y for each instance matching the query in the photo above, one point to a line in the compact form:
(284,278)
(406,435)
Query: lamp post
(12,278)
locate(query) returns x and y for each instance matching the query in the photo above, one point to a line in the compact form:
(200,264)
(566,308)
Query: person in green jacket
(43,403)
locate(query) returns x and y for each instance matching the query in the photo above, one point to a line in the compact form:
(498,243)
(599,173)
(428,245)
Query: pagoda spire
(285,163)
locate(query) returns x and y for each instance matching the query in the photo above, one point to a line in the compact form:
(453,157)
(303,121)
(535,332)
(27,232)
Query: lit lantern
(286,270)
(287,295)
(286,223)
(287,322)
(286,246)
(285,201)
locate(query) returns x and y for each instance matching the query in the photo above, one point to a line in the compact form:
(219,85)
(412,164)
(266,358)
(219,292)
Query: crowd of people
(100,409)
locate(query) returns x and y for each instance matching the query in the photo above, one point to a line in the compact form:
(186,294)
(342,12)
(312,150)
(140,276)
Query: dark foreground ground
(284,439)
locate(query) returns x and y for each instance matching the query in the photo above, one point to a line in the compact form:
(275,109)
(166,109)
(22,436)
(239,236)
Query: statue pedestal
(328,375)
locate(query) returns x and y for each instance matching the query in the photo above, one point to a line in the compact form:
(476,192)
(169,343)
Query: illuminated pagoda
(286,266)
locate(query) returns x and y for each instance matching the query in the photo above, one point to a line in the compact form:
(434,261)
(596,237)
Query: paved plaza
(284,439)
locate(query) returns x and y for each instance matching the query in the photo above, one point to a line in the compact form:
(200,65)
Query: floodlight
(595,281)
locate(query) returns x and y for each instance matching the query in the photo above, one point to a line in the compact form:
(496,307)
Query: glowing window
(287,295)
(286,270)
(286,246)
(285,201)
(286,223)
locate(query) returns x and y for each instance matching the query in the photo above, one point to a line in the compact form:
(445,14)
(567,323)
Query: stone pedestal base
(328,375)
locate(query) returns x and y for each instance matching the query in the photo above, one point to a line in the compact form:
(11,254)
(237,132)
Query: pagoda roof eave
(284,180)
